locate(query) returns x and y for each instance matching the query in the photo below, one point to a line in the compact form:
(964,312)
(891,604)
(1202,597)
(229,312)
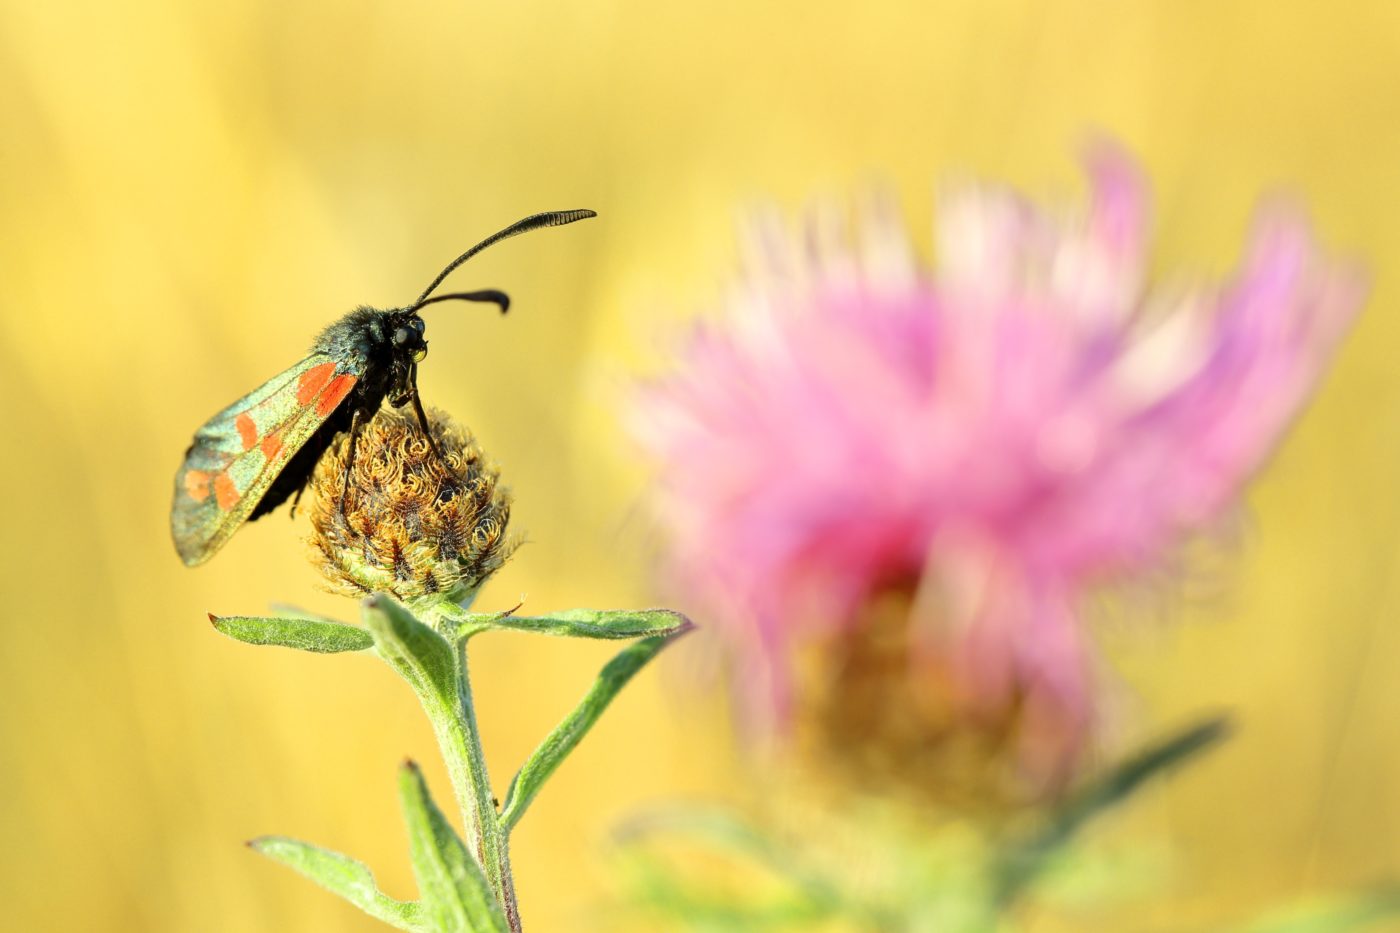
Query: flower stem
(460,741)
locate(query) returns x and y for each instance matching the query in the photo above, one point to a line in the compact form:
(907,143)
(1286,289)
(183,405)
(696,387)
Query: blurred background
(191,191)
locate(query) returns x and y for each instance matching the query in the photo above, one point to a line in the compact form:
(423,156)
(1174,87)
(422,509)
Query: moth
(249,458)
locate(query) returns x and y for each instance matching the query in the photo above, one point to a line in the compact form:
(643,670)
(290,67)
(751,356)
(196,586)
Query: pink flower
(999,434)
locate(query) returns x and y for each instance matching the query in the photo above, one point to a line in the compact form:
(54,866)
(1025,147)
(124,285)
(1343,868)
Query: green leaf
(664,897)
(454,891)
(600,623)
(1334,915)
(416,651)
(1023,862)
(729,834)
(566,736)
(319,635)
(341,875)
(590,623)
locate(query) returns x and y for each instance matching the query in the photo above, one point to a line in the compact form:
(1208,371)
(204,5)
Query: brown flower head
(882,703)
(415,524)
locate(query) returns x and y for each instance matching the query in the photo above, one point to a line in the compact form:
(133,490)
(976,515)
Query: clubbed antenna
(495,296)
(533,222)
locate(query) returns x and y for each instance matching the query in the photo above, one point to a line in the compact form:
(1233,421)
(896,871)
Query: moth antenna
(533,222)
(494,296)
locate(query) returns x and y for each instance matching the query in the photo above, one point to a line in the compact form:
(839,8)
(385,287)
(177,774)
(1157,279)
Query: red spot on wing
(313,381)
(247,431)
(225,493)
(271,444)
(197,485)
(339,387)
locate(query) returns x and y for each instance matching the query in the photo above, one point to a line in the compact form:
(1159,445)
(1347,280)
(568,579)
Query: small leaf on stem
(1024,860)
(612,624)
(317,635)
(454,891)
(341,875)
(416,651)
(566,736)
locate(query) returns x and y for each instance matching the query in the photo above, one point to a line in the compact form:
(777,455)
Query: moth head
(407,337)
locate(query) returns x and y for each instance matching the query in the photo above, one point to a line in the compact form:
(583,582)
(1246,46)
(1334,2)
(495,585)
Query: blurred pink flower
(1002,432)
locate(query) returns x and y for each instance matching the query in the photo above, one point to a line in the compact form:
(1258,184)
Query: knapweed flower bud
(415,523)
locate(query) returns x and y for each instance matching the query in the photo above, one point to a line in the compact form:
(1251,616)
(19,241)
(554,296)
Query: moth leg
(319,440)
(350,459)
(296,499)
(422,416)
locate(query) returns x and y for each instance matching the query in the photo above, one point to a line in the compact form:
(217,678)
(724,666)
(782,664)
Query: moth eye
(419,354)
(402,335)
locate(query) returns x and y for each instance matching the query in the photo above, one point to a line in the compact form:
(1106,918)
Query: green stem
(460,741)
(495,843)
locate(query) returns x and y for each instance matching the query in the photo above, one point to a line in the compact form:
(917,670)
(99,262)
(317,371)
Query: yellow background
(191,190)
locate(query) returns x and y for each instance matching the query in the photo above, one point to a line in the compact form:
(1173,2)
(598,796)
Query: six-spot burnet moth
(247,459)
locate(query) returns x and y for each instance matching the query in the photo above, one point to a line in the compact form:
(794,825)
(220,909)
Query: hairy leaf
(613,624)
(341,875)
(318,635)
(454,891)
(416,651)
(566,736)
(595,623)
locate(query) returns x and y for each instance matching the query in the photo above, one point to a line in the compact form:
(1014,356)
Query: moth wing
(238,453)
